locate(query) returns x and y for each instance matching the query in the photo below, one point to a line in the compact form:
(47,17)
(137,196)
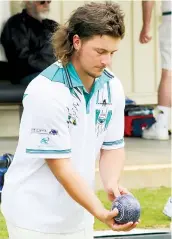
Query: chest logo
(103,117)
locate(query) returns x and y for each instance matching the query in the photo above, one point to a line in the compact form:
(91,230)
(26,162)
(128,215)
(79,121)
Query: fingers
(118,227)
(124,191)
(145,39)
(149,39)
(144,36)
(111,197)
(141,38)
(124,227)
(116,192)
(133,226)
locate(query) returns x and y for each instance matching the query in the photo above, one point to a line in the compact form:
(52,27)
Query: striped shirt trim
(71,84)
(108,74)
(109,93)
(111,143)
(67,78)
(77,89)
(43,151)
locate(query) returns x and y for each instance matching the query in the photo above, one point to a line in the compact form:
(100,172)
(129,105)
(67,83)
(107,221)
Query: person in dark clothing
(26,39)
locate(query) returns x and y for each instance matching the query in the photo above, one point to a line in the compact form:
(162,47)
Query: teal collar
(73,79)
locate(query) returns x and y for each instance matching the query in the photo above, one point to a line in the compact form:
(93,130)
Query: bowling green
(152,201)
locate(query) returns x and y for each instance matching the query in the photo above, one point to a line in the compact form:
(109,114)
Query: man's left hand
(115,191)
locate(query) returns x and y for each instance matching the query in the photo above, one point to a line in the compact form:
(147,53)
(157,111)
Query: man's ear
(76,42)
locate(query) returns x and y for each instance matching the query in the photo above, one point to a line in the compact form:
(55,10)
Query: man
(4,15)
(159,130)
(26,41)
(73,110)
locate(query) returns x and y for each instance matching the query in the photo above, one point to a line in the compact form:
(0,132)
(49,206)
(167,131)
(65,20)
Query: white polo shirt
(60,120)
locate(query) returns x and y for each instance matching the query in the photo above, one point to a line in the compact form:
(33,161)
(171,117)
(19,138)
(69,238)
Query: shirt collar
(74,80)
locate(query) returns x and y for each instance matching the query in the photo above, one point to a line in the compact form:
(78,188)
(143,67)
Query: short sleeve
(114,138)
(47,131)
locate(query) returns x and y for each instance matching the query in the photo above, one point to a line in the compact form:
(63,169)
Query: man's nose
(47,4)
(106,60)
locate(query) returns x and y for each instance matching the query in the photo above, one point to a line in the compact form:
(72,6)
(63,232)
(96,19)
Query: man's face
(42,8)
(95,54)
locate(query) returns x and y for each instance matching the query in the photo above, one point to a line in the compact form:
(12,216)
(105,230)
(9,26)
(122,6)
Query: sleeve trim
(111,143)
(41,151)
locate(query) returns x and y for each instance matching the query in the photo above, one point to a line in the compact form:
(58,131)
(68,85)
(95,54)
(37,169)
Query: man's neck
(87,80)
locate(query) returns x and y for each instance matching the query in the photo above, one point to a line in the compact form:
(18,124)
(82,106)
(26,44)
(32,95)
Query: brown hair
(87,21)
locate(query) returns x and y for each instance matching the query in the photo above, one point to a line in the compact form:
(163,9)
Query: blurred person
(4,16)
(26,41)
(73,111)
(168,208)
(159,130)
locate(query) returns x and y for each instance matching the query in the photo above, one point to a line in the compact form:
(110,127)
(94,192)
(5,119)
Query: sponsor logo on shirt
(44,140)
(44,131)
(73,114)
(53,132)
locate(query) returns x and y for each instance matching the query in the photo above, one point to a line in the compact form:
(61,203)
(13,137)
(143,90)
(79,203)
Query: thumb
(148,38)
(113,213)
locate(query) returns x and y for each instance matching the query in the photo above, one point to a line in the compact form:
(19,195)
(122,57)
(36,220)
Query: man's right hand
(108,218)
(78,189)
(145,35)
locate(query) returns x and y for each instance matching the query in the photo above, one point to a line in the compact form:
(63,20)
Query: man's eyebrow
(102,49)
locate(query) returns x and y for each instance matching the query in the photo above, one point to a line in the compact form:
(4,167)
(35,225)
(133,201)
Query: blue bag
(5,161)
(2,173)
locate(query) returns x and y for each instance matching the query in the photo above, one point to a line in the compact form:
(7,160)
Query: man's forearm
(111,164)
(76,186)
(147,7)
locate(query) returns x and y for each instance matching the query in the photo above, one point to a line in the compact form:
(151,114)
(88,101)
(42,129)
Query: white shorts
(165,43)
(19,233)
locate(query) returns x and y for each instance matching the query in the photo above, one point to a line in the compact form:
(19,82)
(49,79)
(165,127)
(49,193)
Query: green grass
(3,231)
(152,203)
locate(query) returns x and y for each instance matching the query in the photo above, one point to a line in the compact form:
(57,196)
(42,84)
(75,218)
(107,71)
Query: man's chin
(98,74)
(43,15)
(95,74)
